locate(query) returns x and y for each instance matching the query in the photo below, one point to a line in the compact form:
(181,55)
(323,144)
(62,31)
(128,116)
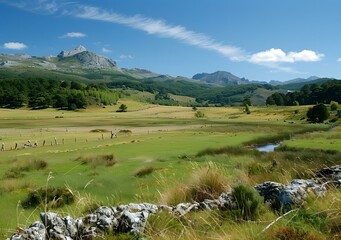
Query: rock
(36,231)
(133,222)
(71,228)
(330,174)
(282,197)
(54,225)
(226,201)
(183,208)
(209,204)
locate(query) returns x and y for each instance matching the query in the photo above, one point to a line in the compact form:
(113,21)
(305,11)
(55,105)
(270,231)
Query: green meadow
(155,150)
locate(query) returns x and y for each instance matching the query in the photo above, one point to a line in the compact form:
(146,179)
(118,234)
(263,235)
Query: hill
(293,81)
(220,78)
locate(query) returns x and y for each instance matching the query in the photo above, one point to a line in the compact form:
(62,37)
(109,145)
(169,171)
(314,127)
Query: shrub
(248,201)
(199,114)
(53,197)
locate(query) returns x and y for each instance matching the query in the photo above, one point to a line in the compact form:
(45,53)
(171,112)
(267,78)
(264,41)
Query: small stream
(267,148)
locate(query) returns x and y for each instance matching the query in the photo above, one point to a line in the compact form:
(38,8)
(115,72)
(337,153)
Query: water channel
(268,148)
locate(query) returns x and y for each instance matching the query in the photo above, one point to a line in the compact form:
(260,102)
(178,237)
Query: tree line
(39,93)
(309,94)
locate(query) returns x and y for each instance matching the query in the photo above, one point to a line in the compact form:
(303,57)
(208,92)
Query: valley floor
(154,152)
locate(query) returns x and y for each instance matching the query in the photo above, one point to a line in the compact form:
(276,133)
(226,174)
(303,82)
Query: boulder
(282,197)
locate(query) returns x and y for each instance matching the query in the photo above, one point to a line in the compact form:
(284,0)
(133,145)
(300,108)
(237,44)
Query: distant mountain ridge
(79,58)
(221,78)
(295,80)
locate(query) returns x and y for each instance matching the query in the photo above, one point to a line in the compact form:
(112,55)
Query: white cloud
(73,35)
(106,50)
(339,60)
(126,56)
(276,55)
(14,45)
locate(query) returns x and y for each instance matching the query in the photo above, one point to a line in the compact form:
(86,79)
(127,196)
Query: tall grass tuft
(52,197)
(144,171)
(205,183)
(249,202)
(107,160)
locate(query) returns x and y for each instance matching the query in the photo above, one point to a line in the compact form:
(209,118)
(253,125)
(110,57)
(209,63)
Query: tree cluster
(39,93)
(309,94)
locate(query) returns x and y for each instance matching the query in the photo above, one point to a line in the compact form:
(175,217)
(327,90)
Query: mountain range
(80,60)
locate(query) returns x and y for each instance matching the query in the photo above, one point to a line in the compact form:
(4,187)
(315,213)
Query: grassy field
(156,148)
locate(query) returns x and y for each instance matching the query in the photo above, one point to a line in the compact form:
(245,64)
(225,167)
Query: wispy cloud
(126,56)
(14,45)
(41,6)
(159,28)
(73,35)
(106,50)
(339,60)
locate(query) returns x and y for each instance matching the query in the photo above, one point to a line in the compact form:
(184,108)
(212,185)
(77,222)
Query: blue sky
(256,39)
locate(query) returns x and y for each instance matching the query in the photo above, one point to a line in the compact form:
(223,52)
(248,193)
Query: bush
(318,113)
(248,201)
(333,106)
(199,114)
(53,197)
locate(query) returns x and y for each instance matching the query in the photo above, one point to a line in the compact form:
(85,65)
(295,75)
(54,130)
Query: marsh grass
(229,150)
(19,168)
(107,160)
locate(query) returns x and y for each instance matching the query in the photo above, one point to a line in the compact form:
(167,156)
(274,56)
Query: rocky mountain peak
(64,54)
(87,59)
